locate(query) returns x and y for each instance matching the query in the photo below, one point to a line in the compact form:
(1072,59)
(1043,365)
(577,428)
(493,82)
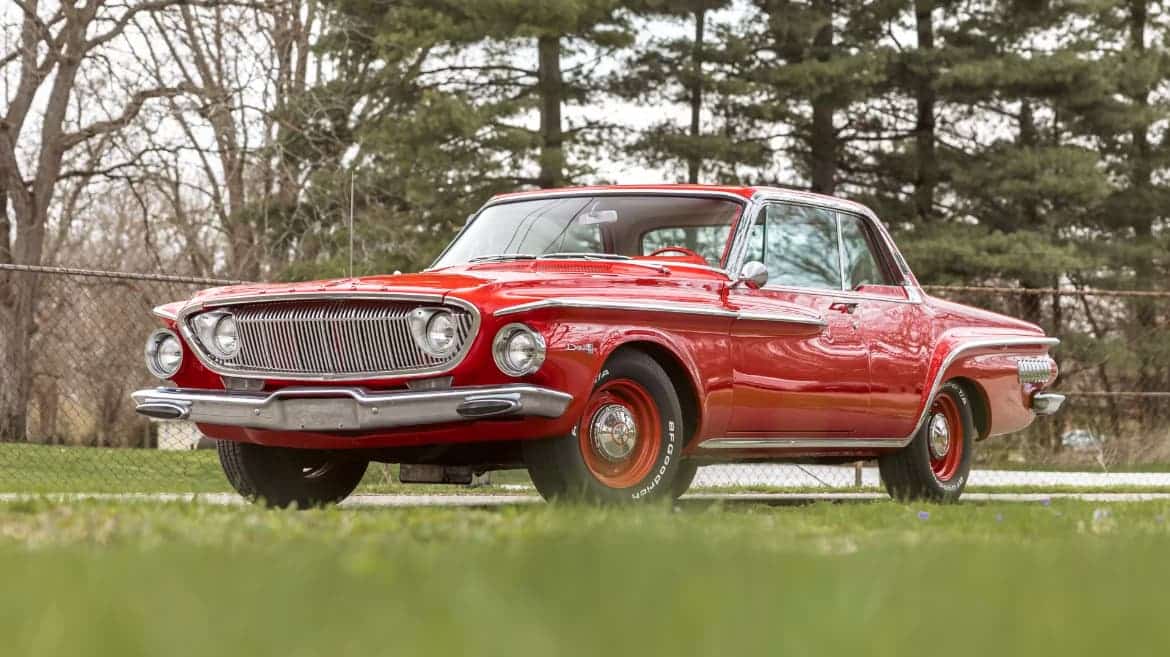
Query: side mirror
(754,275)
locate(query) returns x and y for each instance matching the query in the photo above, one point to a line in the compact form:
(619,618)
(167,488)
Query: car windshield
(691,228)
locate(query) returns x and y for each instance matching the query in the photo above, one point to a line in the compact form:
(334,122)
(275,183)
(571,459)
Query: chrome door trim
(241,299)
(881,443)
(749,316)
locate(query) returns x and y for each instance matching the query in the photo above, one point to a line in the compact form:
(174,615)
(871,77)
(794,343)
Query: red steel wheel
(625,448)
(945,437)
(936,464)
(620,434)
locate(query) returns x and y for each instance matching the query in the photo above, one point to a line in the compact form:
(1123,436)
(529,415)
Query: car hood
(489,285)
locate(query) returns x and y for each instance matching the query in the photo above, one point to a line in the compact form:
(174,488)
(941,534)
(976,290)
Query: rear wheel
(626,445)
(282,477)
(936,464)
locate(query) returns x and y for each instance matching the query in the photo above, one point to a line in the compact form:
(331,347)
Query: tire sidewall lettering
(667,453)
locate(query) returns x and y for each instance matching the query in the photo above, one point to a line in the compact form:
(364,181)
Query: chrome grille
(334,339)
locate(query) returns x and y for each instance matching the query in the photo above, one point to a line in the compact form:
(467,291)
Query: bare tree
(45,124)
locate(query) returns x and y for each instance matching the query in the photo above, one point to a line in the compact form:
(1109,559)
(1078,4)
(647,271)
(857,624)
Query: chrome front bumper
(1046,403)
(350,409)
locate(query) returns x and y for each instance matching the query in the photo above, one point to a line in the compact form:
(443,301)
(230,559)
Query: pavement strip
(488,500)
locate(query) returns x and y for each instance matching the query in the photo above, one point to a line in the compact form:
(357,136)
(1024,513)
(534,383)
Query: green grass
(26,468)
(870,579)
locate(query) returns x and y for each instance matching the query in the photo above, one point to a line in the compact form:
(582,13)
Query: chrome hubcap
(614,432)
(940,436)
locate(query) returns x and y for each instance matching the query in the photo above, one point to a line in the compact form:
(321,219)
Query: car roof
(743,191)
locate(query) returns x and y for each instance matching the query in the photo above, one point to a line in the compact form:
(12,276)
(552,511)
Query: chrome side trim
(219,302)
(666,307)
(801,443)
(881,443)
(353,409)
(606,304)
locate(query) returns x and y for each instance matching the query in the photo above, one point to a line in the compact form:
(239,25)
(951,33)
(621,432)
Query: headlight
(225,336)
(518,350)
(434,331)
(217,331)
(164,354)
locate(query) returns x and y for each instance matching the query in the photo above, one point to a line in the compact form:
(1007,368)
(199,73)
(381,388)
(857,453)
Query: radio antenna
(351,186)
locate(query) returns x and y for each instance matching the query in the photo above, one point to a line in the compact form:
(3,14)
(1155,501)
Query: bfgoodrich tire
(936,464)
(282,477)
(683,480)
(627,445)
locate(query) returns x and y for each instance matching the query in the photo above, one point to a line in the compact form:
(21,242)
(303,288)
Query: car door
(893,325)
(792,379)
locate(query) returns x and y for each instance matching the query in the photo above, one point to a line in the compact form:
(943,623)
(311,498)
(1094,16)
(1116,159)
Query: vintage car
(610,340)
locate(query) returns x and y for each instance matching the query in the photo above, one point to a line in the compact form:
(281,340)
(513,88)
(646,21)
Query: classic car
(610,340)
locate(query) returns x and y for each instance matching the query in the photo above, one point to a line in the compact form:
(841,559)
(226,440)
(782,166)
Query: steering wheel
(676,249)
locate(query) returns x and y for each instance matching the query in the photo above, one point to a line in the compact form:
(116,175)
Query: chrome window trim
(840,250)
(880,443)
(234,300)
(665,307)
(745,203)
(766,195)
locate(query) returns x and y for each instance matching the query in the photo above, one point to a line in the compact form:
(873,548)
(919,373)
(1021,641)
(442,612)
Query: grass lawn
(123,579)
(35,469)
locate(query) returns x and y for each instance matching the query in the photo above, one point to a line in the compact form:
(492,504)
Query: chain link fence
(67,424)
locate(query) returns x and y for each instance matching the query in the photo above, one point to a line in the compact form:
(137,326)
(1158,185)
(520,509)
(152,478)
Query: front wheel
(626,447)
(935,465)
(281,477)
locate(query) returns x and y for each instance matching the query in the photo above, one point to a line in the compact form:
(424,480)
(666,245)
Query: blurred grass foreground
(1068,578)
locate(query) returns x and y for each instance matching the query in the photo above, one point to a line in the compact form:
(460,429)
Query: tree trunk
(694,159)
(1031,304)
(823,146)
(18,325)
(926,178)
(1141,187)
(550,86)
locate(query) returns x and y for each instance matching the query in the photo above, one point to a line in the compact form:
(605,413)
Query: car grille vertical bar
(335,339)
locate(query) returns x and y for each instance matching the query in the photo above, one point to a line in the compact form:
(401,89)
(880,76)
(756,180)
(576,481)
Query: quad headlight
(164,354)
(434,331)
(217,331)
(518,350)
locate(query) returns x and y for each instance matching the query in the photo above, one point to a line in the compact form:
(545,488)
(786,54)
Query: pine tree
(687,72)
(538,57)
(807,67)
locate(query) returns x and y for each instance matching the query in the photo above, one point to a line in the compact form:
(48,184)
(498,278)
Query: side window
(798,245)
(861,266)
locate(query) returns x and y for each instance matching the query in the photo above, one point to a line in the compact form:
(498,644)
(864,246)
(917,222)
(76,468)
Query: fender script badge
(587,348)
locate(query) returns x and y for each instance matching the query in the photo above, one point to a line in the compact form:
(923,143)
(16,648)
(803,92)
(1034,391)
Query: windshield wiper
(495,257)
(585,256)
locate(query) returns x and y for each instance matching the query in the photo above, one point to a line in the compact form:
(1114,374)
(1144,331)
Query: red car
(610,340)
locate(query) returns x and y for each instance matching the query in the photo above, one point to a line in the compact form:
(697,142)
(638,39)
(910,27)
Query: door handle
(844,306)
